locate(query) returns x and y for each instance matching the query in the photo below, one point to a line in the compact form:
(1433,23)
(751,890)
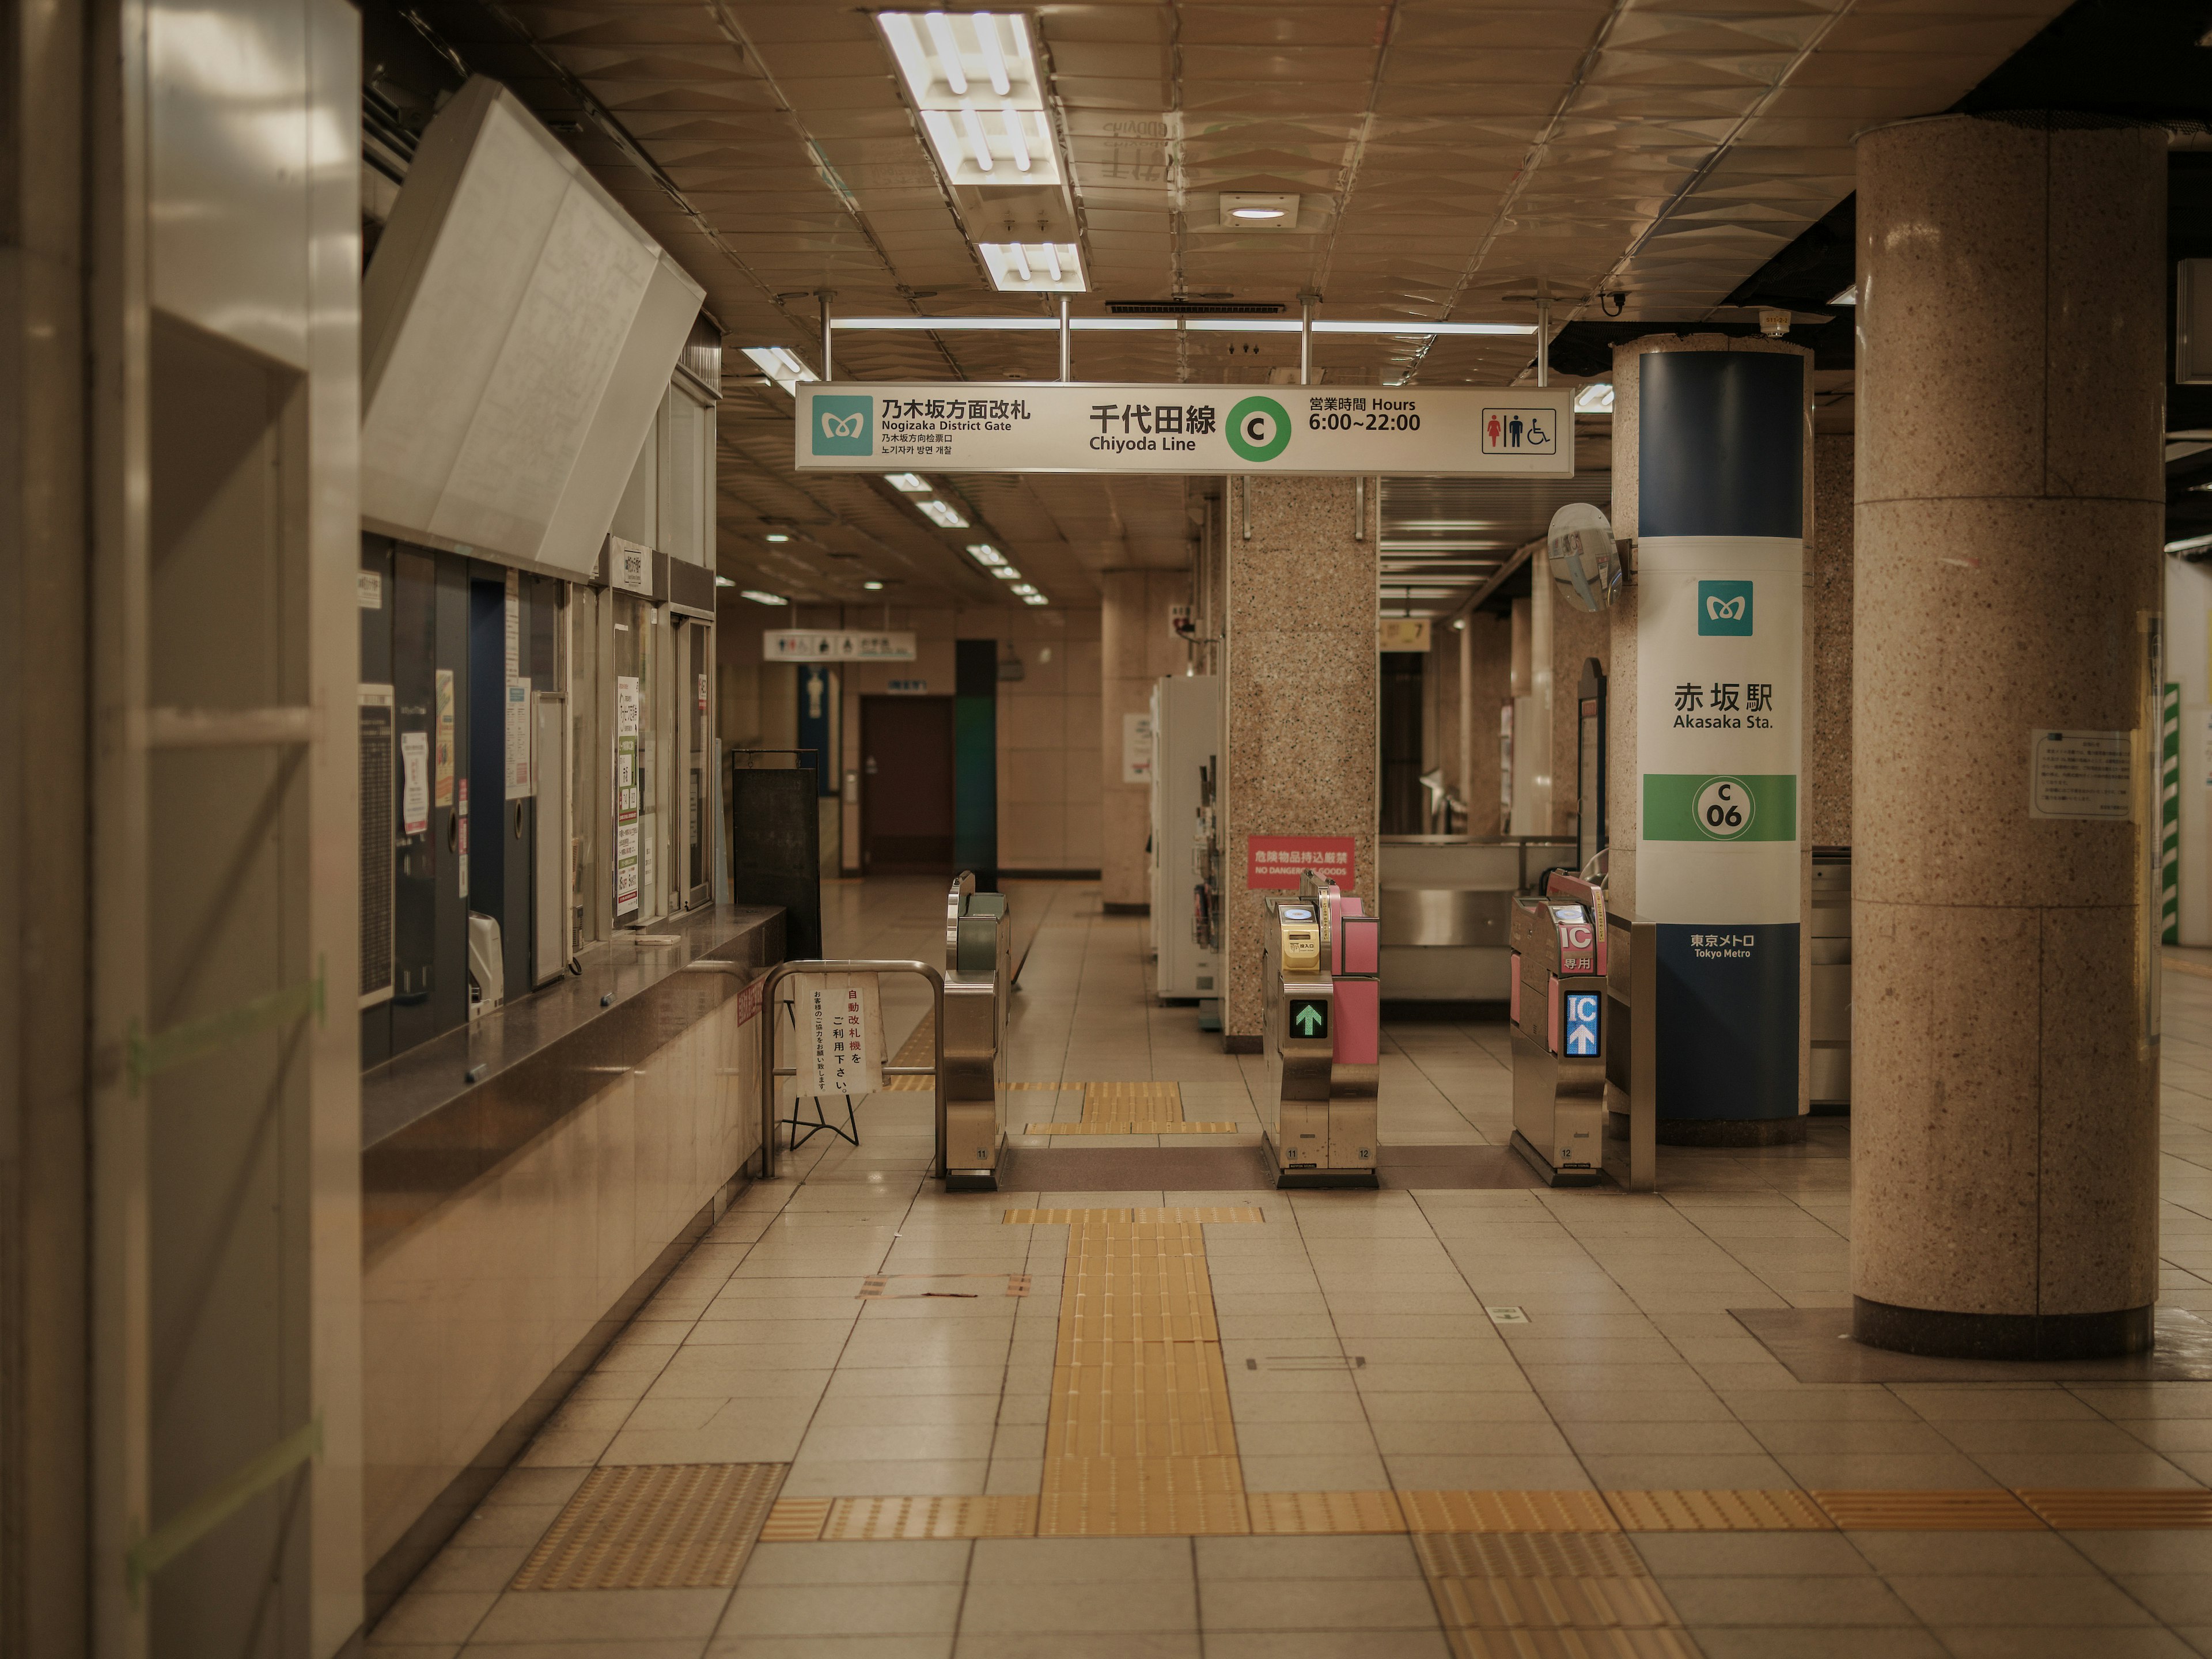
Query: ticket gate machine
(1320,962)
(972,1093)
(1558,1030)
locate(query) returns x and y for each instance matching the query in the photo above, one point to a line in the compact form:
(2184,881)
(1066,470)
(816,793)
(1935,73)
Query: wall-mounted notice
(1136,748)
(835,645)
(414,782)
(1280,861)
(628,566)
(368,590)
(2081,775)
(519,782)
(441,788)
(629,708)
(840,1027)
(964,427)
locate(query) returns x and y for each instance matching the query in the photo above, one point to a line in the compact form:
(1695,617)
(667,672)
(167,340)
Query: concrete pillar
(2009,508)
(1302,695)
(1712,441)
(1135,649)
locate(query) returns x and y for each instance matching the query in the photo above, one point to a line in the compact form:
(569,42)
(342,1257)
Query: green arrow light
(1308,1017)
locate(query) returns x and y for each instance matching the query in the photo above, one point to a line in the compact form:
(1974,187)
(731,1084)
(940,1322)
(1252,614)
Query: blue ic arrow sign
(1307,1017)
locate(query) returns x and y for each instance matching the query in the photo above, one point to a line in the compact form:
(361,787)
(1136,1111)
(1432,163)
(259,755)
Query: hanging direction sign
(1500,432)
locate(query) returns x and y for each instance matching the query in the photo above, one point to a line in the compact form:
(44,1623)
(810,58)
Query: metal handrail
(770,1071)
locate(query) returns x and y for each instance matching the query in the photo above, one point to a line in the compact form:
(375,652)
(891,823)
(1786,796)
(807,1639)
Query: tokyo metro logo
(843,426)
(1724,607)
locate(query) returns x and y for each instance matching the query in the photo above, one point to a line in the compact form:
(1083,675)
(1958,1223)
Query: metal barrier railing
(770,1071)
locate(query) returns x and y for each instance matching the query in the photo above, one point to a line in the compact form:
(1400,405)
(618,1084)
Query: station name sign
(1519,432)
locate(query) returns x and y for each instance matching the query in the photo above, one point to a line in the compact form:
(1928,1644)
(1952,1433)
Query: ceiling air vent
(1192,308)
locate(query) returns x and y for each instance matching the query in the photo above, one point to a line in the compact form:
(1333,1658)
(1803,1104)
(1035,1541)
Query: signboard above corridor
(1517,432)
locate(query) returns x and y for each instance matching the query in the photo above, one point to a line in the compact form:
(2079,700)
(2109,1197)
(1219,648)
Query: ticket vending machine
(1320,965)
(1558,1032)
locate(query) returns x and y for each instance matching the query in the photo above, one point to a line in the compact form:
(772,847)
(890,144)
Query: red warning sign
(1280,861)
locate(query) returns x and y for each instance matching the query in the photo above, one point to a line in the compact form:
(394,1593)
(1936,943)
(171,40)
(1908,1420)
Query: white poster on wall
(1136,748)
(414,782)
(520,781)
(629,709)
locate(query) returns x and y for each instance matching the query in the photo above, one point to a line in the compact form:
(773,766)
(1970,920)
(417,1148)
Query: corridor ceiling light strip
(911,483)
(758,598)
(984,553)
(943,514)
(1035,599)
(947,61)
(1034,268)
(2190,544)
(1006,573)
(780,364)
(1154,324)
(1595,398)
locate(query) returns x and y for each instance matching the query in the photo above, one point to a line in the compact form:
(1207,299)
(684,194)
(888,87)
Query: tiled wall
(1048,719)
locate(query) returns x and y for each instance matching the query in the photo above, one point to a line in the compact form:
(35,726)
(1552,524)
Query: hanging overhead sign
(835,645)
(1504,432)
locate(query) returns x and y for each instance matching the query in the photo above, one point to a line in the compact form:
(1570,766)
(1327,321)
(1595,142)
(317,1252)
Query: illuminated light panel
(873,588)
(724,582)
(984,553)
(777,537)
(780,364)
(1595,398)
(1034,267)
(974,80)
(758,598)
(911,483)
(1035,599)
(1006,573)
(944,513)
(1024,589)
(1245,210)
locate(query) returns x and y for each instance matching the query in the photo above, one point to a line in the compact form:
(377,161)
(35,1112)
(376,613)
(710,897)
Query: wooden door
(906,785)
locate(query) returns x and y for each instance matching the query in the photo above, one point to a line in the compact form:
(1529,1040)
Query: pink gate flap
(1358,1039)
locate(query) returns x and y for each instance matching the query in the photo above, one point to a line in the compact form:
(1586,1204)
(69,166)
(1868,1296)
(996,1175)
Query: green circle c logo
(1259,428)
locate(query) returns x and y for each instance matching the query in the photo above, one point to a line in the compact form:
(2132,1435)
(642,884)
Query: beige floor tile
(1415,1473)
(1245,1604)
(1075,1561)
(2045,1642)
(1745,1554)
(1030,1607)
(893,1478)
(922,1561)
(1063,1644)
(2070,1598)
(433,1617)
(1326,1644)
(581,1615)
(1296,1558)
(844,1609)
(1815,1641)
(830,1647)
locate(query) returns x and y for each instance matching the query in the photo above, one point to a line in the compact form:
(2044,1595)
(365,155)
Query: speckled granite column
(1303,680)
(1722,531)
(2010,504)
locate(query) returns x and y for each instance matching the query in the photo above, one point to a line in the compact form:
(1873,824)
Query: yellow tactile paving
(1992,1509)
(1138,1438)
(1130,1126)
(1528,1554)
(1311,1512)
(1717,1512)
(796,1520)
(1124,1103)
(2083,1509)
(1506,1511)
(1142,1218)
(1480,1644)
(876,1520)
(1530,1603)
(654,1526)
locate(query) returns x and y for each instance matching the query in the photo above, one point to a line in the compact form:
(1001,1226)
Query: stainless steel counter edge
(428,1132)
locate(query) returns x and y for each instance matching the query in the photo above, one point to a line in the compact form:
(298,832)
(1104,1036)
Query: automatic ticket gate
(971,1082)
(1320,962)
(1558,1032)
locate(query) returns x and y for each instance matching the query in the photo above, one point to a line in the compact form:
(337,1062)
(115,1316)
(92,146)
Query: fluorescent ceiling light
(948,60)
(775,537)
(2190,544)
(724,582)
(1034,268)
(759,598)
(1023,589)
(1035,599)
(913,483)
(873,588)
(943,513)
(1850,296)
(1006,573)
(780,364)
(1405,326)
(1256,213)
(984,553)
(1595,398)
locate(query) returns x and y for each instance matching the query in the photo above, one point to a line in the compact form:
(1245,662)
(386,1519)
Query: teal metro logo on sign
(844,425)
(1722,607)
